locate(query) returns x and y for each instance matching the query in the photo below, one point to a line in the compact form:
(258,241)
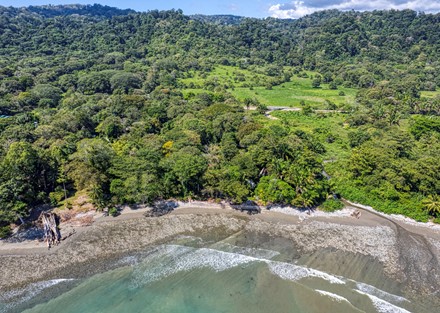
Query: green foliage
(89,164)
(316,82)
(332,205)
(392,173)
(261,108)
(96,82)
(139,107)
(46,96)
(229,146)
(432,205)
(125,81)
(227,182)
(424,125)
(333,86)
(111,127)
(5,231)
(358,137)
(307,110)
(113,211)
(409,206)
(56,197)
(186,167)
(273,190)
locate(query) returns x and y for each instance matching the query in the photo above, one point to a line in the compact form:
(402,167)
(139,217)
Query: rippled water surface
(193,275)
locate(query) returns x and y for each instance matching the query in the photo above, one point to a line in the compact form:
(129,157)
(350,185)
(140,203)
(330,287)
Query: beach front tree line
(159,146)
(97,101)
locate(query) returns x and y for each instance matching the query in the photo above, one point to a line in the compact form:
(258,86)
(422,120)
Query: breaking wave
(331,295)
(11,299)
(383,306)
(171,259)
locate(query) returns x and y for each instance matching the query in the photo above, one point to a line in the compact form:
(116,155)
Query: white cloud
(233,7)
(296,9)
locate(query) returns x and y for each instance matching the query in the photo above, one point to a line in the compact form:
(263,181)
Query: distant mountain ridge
(50,11)
(104,11)
(223,19)
(396,36)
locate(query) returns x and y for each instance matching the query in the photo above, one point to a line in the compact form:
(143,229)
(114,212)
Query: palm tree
(432,204)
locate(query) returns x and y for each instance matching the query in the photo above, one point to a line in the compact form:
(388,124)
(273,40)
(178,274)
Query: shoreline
(91,249)
(277,214)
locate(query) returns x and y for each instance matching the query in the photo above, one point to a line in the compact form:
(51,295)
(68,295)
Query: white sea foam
(14,297)
(253,252)
(336,297)
(171,259)
(293,272)
(188,238)
(368,289)
(383,306)
(303,214)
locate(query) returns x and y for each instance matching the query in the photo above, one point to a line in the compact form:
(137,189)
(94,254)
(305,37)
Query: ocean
(237,274)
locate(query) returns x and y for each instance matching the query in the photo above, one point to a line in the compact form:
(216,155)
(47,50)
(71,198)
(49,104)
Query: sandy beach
(408,252)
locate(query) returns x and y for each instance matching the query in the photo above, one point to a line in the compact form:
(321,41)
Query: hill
(132,107)
(51,11)
(218,19)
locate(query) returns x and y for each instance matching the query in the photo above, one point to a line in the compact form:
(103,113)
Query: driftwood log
(51,223)
(356,214)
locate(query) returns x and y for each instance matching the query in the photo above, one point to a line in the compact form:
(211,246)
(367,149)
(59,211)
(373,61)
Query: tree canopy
(133,107)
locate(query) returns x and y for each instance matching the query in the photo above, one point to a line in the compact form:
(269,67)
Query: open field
(247,84)
(328,128)
(429,94)
(298,89)
(222,75)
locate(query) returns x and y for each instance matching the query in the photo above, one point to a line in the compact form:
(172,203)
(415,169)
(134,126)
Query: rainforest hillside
(129,107)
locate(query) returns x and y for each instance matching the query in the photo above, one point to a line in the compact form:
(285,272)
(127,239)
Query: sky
(249,8)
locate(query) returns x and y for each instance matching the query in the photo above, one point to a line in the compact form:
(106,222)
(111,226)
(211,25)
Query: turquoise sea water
(188,275)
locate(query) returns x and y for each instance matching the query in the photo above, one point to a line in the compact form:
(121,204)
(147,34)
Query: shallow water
(236,274)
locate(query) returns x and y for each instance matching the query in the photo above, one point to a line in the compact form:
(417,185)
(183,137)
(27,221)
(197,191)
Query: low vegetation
(331,205)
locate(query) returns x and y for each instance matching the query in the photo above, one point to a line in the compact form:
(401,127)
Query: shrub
(307,109)
(56,197)
(113,212)
(356,138)
(5,231)
(422,125)
(332,205)
(68,205)
(333,86)
(316,83)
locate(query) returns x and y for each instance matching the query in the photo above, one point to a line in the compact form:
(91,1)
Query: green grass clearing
(298,89)
(230,76)
(429,94)
(243,83)
(329,128)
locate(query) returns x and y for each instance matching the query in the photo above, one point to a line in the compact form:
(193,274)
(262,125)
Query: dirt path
(271,109)
(295,109)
